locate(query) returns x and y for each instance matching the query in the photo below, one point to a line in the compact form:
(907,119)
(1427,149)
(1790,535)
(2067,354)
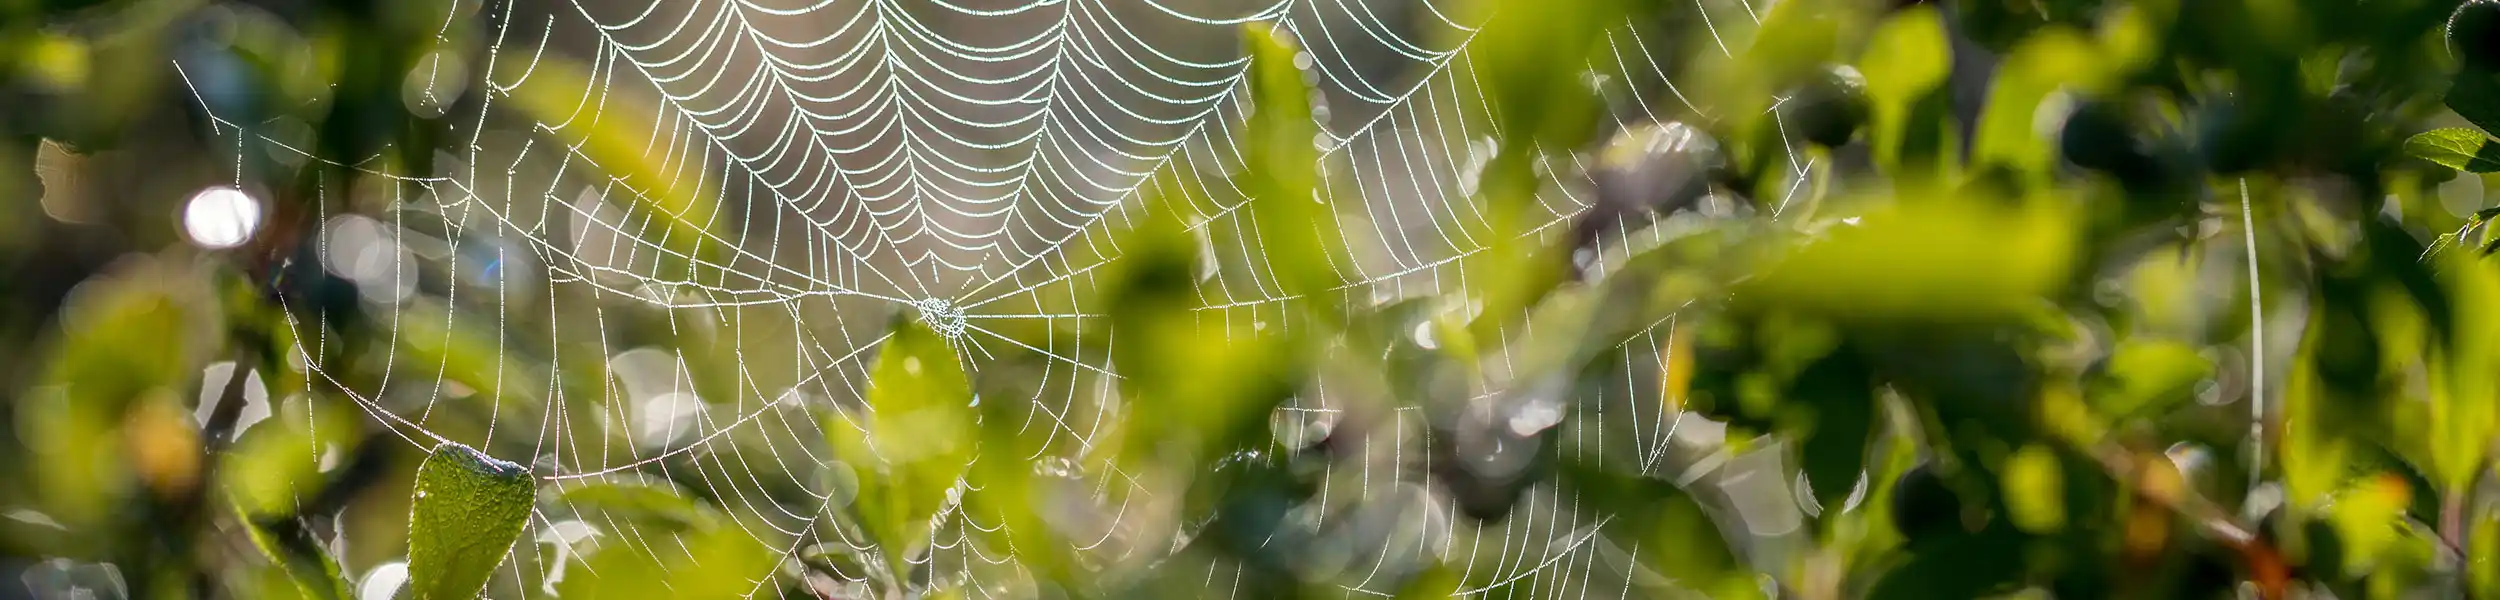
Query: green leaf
(2143,377)
(2035,490)
(644,499)
(468,510)
(2035,69)
(1690,549)
(1840,388)
(2462,415)
(313,571)
(1905,61)
(1282,170)
(913,444)
(715,563)
(613,132)
(2458,148)
(2477,98)
(1961,566)
(1934,261)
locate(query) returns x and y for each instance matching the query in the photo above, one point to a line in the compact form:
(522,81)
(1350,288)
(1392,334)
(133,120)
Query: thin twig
(229,408)
(2256,345)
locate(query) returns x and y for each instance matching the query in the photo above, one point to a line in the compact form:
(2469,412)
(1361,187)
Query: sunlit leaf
(469,508)
(1905,62)
(1937,260)
(2458,148)
(2148,375)
(2035,490)
(913,444)
(560,91)
(1282,169)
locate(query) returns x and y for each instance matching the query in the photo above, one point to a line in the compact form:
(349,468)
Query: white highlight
(221,217)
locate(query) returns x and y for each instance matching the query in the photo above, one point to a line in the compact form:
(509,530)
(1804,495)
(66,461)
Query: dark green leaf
(2477,98)
(1840,389)
(315,573)
(468,510)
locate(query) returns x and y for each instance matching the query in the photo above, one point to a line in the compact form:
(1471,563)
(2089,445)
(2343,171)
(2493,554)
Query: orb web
(963,164)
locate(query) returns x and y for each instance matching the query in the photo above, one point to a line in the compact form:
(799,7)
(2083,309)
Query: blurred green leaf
(612,132)
(2464,417)
(2368,516)
(914,443)
(469,508)
(1690,548)
(717,563)
(1941,260)
(1281,174)
(2145,376)
(2458,148)
(1905,63)
(314,573)
(1840,391)
(637,499)
(2035,490)
(2476,96)
(2008,128)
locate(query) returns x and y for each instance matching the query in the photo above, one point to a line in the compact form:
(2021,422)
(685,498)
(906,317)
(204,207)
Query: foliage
(2068,298)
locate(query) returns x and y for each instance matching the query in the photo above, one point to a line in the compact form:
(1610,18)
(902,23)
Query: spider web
(964,163)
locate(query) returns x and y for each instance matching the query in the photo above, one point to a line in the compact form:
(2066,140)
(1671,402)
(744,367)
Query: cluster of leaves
(2079,297)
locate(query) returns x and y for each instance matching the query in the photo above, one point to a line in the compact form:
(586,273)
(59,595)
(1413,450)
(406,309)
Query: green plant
(1818,299)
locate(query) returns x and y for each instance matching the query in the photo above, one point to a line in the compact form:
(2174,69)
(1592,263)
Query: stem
(2256,345)
(2452,523)
(229,408)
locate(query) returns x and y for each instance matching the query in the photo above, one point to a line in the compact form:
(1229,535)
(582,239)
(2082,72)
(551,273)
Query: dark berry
(1830,107)
(1922,505)
(2474,35)
(2097,136)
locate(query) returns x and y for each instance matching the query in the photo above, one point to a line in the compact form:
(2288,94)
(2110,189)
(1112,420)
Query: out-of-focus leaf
(2008,131)
(313,571)
(1690,548)
(637,499)
(558,91)
(2311,451)
(1962,566)
(2035,490)
(717,563)
(1282,171)
(469,508)
(464,355)
(127,339)
(1906,60)
(1839,391)
(2476,96)
(918,439)
(1938,260)
(2463,417)
(2145,376)
(2368,517)
(2482,550)
(1531,62)
(1434,582)
(1201,387)
(2458,148)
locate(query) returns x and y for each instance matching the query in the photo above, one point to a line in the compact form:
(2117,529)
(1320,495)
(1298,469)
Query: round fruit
(1662,167)
(1829,108)
(2225,139)
(2096,136)
(2474,35)
(1922,505)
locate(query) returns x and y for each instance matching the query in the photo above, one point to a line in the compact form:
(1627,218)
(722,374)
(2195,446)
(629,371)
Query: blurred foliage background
(1839,299)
